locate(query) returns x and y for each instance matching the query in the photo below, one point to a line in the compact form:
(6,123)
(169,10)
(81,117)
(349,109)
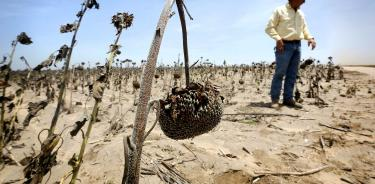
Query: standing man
(287,26)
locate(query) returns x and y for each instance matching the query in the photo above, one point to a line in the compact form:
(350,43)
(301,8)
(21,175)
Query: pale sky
(221,30)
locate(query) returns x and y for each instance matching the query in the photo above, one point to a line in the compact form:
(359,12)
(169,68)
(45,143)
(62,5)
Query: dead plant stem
(66,76)
(2,143)
(131,175)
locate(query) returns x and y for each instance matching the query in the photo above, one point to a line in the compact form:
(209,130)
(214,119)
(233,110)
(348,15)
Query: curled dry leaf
(46,63)
(78,126)
(68,28)
(98,90)
(63,52)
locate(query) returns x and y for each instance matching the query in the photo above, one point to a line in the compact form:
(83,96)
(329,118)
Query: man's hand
(311,42)
(280,46)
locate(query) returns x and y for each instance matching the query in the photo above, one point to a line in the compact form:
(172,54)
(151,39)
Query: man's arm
(271,26)
(271,30)
(307,35)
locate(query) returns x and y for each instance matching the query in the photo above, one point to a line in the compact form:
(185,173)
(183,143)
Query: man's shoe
(275,105)
(293,104)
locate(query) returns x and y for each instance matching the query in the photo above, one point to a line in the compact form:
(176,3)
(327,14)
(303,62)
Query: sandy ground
(238,148)
(366,70)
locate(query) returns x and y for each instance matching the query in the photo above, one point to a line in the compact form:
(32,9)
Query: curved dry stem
(152,105)
(39,135)
(180,7)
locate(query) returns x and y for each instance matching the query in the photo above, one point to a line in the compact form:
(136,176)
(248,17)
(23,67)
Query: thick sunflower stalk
(24,40)
(121,21)
(133,145)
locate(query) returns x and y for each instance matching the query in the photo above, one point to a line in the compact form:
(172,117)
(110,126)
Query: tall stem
(66,77)
(180,7)
(2,143)
(71,93)
(84,142)
(94,115)
(131,175)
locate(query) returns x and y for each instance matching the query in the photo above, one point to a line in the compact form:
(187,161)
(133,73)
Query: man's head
(295,4)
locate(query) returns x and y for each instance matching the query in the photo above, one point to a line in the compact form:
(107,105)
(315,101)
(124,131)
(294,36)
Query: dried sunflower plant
(42,163)
(182,115)
(120,21)
(65,52)
(23,39)
(13,129)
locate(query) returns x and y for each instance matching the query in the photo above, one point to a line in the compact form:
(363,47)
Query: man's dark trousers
(287,63)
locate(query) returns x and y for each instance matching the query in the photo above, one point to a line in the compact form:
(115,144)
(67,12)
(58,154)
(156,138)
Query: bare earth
(238,148)
(366,70)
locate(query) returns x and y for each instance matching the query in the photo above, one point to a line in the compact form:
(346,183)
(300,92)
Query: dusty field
(366,70)
(238,148)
